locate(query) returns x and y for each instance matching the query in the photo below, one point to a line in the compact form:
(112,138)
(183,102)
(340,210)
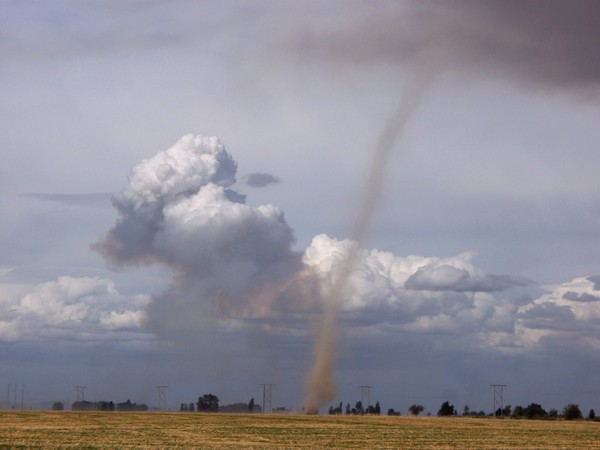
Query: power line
(11,394)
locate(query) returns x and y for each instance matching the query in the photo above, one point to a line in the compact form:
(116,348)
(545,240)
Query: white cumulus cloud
(569,312)
(236,262)
(84,308)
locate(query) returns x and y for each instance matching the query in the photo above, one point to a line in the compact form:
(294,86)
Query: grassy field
(31,429)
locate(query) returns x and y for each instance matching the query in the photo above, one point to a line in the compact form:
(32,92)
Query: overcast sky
(180,179)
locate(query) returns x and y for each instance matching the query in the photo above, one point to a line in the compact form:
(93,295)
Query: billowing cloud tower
(178,210)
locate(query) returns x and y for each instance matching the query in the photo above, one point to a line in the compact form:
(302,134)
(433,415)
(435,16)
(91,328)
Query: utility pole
(267,398)
(162,397)
(498,397)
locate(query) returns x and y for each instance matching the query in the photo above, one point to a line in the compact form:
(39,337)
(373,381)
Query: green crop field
(31,429)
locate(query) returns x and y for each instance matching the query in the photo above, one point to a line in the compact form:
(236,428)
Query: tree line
(532,411)
(358,409)
(210,403)
(85,405)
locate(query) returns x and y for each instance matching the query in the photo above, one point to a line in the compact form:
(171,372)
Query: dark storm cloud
(260,179)
(540,43)
(549,316)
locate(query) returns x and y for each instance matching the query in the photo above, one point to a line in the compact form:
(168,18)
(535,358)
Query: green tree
(446,410)
(535,411)
(208,403)
(519,411)
(359,407)
(592,415)
(572,412)
(415,410)
(371,410)
(336,410)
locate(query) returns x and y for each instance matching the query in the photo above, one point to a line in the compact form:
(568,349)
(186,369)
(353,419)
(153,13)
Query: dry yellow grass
(31,429)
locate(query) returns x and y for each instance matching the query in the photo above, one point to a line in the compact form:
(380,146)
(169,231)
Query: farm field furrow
(38,429)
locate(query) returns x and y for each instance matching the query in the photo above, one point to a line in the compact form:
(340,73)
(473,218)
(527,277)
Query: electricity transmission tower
(162,397)
(267,398)
(498,397)
(80,393)
(365,394)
